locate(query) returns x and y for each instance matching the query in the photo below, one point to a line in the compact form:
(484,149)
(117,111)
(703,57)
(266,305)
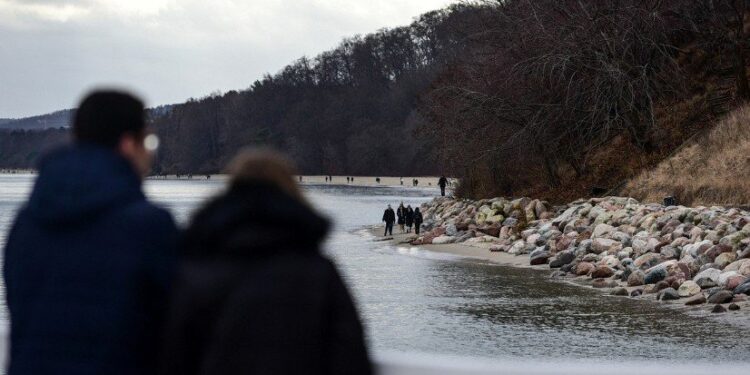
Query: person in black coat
(442,182)
(409,218)
(401,214)
(89,260)
(417,220)
(254,294)
(389,217)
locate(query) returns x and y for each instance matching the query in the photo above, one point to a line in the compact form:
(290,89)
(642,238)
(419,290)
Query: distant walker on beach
(442,182)
(389,217)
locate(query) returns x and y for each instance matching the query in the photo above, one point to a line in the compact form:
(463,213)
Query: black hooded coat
(255,296)
(87,269)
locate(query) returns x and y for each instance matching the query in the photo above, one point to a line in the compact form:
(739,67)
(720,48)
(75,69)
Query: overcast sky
(52,51)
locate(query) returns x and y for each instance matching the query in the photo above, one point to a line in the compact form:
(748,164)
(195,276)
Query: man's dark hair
(105,116)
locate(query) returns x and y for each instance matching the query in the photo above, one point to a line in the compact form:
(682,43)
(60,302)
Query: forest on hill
(555,99)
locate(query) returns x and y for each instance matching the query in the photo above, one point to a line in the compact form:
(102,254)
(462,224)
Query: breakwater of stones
(691,255)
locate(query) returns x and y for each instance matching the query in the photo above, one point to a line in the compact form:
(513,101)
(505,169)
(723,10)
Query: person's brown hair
(265,165)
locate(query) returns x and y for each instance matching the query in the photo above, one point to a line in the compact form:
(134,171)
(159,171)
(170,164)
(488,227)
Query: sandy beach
(474,251)
(424,181)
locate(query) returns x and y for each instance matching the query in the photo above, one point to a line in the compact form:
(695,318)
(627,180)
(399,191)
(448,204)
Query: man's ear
(127,145)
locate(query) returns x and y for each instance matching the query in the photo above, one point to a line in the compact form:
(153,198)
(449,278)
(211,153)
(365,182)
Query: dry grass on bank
(713,169)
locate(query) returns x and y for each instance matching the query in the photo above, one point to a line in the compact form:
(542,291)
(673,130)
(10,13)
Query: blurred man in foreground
(88,259)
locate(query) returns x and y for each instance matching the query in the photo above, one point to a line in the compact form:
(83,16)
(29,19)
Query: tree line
(549,90)
(532,97)
(351,110)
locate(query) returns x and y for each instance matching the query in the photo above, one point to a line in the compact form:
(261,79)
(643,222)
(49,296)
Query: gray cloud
(168,50)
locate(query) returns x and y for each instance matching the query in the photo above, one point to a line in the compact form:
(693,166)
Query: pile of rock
(701,254)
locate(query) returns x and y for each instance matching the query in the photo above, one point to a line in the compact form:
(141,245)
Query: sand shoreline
(481,252)
(461,249)
(425,182)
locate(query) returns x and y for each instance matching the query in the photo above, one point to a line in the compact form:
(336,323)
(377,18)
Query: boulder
(661,285)
(655,275)
(636,293)
(443,240)
(647,260)
(721,296)
(602,230)
(602,272)
(734,282)
(725,276)
(718,309)
(510,222)
(584,268)
(736,265)
(620,292)
(711,273)
(697,299)
(706,283)
(610,261)
(539,256)
(600,245)
(689,288)
(724,259)
(668,294)
(733,307)
(493,231)
(562,259)
(636,278)
(743,288)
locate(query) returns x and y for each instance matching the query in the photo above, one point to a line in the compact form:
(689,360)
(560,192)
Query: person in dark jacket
(417,220)
(409,218)
(254,295)
(401,214)
(389,217)
(442,182)
(88,260)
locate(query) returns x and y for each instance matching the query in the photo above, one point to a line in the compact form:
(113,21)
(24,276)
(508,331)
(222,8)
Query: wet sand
(474,251)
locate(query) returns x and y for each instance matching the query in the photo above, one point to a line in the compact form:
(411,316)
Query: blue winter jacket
(87,267)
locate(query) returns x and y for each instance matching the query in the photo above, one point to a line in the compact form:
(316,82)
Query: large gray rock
(562,259)
(743,288)
(711,273)
(538,256)
(721,296)
(668,294)
(655,275)
(602,230)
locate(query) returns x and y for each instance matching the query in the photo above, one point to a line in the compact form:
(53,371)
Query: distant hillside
(713,168)
(59,119)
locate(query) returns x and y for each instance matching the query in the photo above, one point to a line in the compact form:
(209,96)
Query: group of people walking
(101,281)
(406,217)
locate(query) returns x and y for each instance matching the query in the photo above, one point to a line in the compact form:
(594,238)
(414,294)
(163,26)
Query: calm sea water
(416,301)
